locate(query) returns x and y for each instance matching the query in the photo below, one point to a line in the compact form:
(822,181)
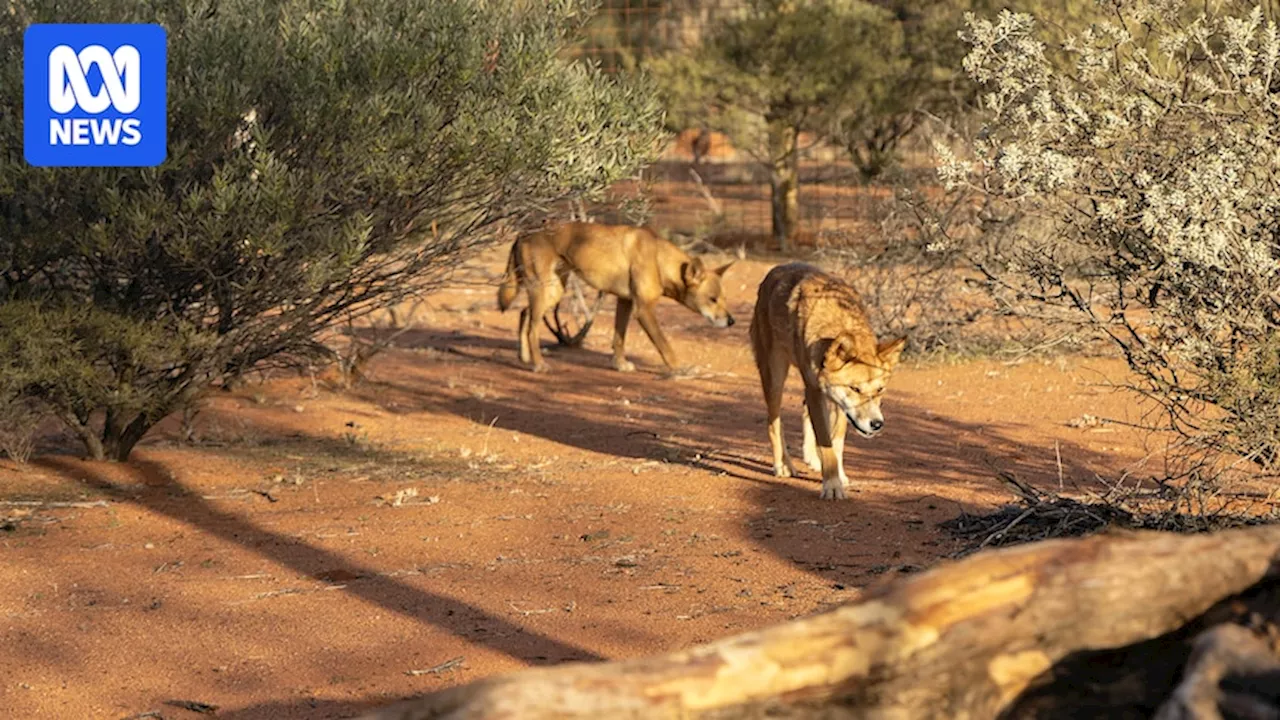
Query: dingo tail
(510,279)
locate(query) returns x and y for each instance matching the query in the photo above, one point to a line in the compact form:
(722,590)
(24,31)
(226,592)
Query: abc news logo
(94,95)
(69,89)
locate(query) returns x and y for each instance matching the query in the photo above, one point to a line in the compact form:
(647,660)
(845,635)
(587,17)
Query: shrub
(325,159)
(19,423)
(1143,156)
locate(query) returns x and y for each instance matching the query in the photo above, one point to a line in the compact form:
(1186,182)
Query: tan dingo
(809,319)
(631,263)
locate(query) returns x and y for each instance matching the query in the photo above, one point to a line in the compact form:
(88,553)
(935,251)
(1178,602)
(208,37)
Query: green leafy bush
(325,158)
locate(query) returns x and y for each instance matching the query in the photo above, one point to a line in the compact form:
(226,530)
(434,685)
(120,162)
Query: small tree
(779,69)
(325,159)
(926,77)
(1145,154)
(923,77)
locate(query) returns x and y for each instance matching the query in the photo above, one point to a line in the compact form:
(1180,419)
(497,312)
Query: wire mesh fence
(703,186)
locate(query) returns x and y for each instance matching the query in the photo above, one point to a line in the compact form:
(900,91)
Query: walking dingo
(807,318)
(631,263)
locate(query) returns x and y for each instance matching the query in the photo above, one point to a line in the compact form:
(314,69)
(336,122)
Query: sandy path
(580,515)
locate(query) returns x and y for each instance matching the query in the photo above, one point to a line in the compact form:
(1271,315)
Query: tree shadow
(310,708)
(680,325)
(166,497)
(717,424)
(714,423)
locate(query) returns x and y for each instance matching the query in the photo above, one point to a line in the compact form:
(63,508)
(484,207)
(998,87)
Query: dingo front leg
(622,317)
(649,323)
(810,448)
(833,483)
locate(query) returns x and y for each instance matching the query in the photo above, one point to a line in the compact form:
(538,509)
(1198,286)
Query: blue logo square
(94,95)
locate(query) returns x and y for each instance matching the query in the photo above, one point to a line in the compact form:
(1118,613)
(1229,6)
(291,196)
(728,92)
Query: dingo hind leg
(545,290)
(773,378)
(512,280)
(523,338)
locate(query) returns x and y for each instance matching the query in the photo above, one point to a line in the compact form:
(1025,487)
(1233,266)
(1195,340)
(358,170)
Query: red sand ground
(580,515)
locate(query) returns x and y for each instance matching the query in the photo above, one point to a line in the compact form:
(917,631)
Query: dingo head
(703,293)
(855,382)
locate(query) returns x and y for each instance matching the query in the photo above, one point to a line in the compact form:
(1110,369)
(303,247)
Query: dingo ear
(839,353)
(890,351)
(720,270)
(693,272)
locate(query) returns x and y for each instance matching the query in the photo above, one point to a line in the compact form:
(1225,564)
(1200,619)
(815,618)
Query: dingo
(631,263)
(807,318)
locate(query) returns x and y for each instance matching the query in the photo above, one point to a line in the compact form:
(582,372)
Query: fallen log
(1104,623)
(1230,669)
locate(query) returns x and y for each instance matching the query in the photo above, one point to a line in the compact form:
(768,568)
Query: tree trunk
(871,161)
(874,150)
(784,183)
(998,632)
(119,439)
(80,426)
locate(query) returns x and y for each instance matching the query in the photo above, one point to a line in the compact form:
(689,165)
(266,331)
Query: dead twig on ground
(444,667)
(193,706)
(1040,515)
(527,613)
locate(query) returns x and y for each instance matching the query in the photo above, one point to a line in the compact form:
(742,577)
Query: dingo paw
(624,365)
(833,490)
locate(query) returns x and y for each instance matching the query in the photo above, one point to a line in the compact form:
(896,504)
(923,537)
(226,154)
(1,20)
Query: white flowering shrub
(1143,156)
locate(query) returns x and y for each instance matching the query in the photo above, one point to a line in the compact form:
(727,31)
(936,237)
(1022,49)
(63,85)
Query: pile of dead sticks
(1040,515)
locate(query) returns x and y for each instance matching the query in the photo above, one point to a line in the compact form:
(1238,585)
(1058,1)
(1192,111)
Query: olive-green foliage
(325,157)
(78,360)
(778,62)
(776,70)
(921,74)
(860,73)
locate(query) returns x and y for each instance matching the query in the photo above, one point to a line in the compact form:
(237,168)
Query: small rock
(1085,420)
